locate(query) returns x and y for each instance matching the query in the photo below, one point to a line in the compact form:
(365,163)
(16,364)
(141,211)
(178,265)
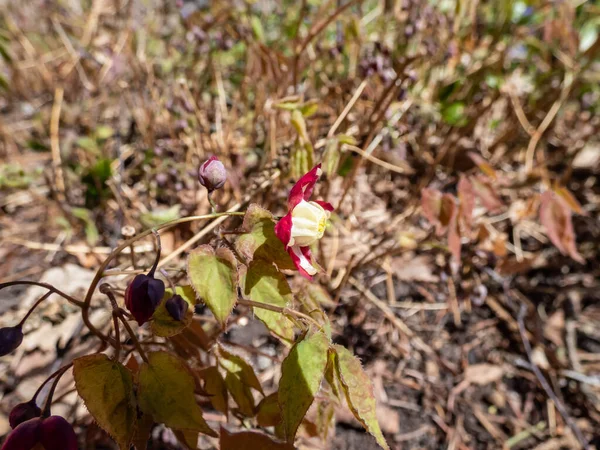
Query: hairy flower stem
(59,373)
(213,205)
(85,307)
(280,310)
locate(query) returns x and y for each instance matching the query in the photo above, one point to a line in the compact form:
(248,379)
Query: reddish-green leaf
(106,387)
(213,276)
(466,197)
(214,385)
(359,392)
(483,165)
(260,241)
(268,414)
(486,193)
(250,440)
(166,391)
(570,200)
(437,208)
(265,284)
(301,375)
(555,216)
(163,324)
(143,430)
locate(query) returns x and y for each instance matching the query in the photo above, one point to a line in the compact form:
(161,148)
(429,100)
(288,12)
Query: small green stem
(279,309)
(213,205)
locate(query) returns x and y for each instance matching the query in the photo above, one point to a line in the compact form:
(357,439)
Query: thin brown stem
(134,339)
(44,285)
(35,305)
(58,374)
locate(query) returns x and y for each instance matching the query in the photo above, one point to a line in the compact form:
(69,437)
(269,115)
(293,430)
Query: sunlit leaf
(214,385)
(166,391)
(358,388)
(265,284)
(250,440)
(106,388)
(570,200)
(301,375)
(483,165)
(163,324)
(213,276)
(455,114)
(555,216)
(260,241)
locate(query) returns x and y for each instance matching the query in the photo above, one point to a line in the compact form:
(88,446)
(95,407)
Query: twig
(347,109)
(54,142)
(44,285)
(379,162)
(549,392)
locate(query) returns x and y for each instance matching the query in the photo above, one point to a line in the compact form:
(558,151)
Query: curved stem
(134,338)
(44,285)
(35,305)
(39,389)
(158,250)
(279,309)
(100,272)
(59,373)
(213,205)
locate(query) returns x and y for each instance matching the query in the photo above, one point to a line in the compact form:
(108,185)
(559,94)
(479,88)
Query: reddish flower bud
(23,412)
(177,307)
(10,339)
(57,434)
(212,174)
(25,436)
(142,296)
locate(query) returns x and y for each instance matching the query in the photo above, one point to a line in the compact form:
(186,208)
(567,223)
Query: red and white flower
(305,222)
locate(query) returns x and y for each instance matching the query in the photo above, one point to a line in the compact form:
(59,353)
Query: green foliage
(215,387)
(166,392)
(268,413)
(91,232)
(455,114)
(239,367)
(265,284)
(163,324)
(213,276)
(358,389)
(159,216)
(260,241)
(301,375)
(106,387)
(95,180)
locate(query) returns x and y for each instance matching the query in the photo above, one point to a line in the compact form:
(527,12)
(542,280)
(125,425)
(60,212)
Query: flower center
(309,220)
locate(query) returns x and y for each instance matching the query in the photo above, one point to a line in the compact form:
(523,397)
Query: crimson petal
(302,190)
(283,229)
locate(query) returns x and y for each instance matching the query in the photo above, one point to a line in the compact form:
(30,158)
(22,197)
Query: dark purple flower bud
(25,436)
(23,412)
(57,434)
(177,307)
(212,174)
(142,296)
(10,339)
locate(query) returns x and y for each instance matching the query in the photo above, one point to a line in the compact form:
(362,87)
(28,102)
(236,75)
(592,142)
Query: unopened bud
(23,412)
(177,307)
(24,436)
(212,174)
(142,296)
(58,434)
(10,339)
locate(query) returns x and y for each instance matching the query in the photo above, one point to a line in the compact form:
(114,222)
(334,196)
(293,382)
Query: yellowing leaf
(268,414)
(250,440)
(214,385)
(106,387)
(260,241)
(166,391)
(163,323)
(359,392)
(301,375)
(238,366)
(483,165)
(265,284)
(555,216)
(214,278)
